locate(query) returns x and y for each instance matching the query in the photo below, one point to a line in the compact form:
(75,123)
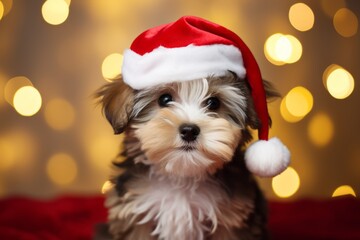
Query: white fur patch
(180,208)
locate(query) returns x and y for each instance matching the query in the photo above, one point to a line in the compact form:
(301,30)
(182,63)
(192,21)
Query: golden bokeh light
(1,10)
(61,169)
(320,129)
(59,114)
(344,190)
(345,22)
(299,101)
(287,116)
(286,184)
(111,66)
(55,12)
(283,49)
(330,7)
(327,72)
(296,49)
(339,82)
(101,150)
(221,12)
(16,146)
(301,17)
(109,10)
(8,154)
(106,187)
(280,49)
(7,5)
(27,101)
(13,85)
(269,49)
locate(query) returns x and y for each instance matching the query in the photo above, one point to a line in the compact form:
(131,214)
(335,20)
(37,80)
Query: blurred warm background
(54,54)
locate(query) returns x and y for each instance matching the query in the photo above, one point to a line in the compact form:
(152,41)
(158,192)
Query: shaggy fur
(174,189)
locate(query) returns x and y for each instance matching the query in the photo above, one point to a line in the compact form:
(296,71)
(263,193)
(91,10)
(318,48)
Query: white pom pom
(267,158)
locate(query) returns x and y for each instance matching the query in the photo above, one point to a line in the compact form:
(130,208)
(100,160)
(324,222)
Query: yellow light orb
(1,10)
(301,17)
(296,49)
(330,7)
(344,190)
(286,184)
(320,129)
(106,187)
(299,101)
(327,72)
(27,101)
(13,85)
(111,66)
(7,5)
(61,169)
(100,149)
(110,10)
(287,116)
(8,154)
(55,12)
(269,49)
(340,83)
(280,49)
(59,114)
(345,22)
(10,143)
(283,49)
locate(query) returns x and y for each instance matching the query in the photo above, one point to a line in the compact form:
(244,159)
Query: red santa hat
(193,48)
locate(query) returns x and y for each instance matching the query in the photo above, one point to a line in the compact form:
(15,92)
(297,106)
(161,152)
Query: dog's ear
(270,91)
(271,94)
(117,100)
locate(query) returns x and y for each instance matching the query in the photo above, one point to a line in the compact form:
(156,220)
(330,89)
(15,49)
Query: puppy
(184,173)
(189,93)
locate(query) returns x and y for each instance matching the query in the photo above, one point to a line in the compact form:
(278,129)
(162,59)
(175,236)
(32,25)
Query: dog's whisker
(187,148)
(136,126)
(211,114)
(168,121)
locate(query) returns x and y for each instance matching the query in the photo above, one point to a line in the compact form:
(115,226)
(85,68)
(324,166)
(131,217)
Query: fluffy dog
(184,175)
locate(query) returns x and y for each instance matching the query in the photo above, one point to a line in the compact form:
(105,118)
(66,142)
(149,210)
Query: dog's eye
(164,100)
(213,103)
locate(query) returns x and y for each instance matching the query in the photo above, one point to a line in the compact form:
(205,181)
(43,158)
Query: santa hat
(193,48)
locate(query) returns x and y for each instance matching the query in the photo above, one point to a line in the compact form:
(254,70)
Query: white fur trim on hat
(166,65)
(267,158)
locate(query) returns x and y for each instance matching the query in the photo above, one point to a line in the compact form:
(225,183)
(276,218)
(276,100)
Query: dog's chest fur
(145,205)
(179,209)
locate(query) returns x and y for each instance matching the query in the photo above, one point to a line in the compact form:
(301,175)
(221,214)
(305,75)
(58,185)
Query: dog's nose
(189,132)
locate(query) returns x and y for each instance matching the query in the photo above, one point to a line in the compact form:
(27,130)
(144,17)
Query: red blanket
(70,218)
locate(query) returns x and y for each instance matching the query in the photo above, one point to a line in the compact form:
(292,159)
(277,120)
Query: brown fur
(117,100)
